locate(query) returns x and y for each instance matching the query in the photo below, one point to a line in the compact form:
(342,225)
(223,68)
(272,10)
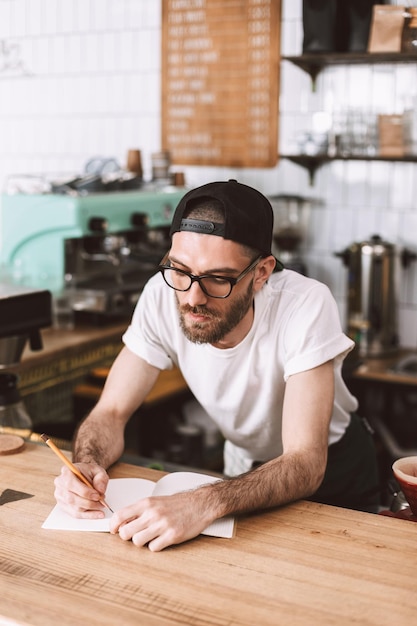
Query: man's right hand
(76,498)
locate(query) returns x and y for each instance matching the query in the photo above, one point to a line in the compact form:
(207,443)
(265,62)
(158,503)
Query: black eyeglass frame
(193,278)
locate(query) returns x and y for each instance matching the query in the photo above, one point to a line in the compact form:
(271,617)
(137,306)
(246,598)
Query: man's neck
(238,334)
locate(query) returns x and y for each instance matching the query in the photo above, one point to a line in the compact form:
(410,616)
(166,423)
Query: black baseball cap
(248,215)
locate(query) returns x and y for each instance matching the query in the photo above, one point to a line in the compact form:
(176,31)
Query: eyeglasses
(212,285)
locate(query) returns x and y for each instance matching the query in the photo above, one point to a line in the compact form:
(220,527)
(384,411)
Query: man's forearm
(285,479)
(98,440)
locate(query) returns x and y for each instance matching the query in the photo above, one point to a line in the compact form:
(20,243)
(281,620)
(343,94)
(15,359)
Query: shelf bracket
(310,163)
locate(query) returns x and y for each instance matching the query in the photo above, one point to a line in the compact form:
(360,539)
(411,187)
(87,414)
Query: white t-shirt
(296,327)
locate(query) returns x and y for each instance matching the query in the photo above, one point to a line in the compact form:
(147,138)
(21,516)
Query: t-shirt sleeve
(146,333)
(313,332)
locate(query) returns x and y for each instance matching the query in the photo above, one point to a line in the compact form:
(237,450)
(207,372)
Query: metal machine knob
(98,224)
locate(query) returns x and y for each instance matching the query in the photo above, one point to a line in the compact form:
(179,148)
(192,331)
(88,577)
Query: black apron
(351,478)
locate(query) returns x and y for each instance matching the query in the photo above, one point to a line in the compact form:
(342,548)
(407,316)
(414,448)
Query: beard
(219,324)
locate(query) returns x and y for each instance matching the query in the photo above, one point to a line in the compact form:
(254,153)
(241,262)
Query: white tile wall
(86,81)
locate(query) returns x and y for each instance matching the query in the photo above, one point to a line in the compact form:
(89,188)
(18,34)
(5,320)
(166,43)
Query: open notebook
(122,492)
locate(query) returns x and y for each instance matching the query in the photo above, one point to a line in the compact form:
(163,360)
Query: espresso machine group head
(23,313)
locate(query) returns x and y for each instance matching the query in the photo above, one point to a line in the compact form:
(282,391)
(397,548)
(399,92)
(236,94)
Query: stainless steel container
(374,272)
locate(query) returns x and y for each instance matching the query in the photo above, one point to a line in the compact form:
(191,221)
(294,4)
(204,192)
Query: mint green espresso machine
(102,247)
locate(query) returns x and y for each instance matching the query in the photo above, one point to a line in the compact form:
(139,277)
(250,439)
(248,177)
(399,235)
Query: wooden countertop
(304,564)
(380,369)
(68,356)
(57,342)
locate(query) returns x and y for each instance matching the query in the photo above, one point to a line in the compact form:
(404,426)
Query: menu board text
(220,81)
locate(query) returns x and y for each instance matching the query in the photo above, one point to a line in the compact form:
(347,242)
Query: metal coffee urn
(374,271)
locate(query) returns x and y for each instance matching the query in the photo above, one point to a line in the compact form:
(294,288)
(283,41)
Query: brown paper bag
(393,135)
(386,28)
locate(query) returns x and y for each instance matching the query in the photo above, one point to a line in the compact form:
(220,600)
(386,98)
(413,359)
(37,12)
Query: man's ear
(264,270)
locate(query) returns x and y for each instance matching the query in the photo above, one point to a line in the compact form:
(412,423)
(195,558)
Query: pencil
(71,466)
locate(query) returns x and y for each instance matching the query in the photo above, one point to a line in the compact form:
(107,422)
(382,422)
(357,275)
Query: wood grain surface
(304,564)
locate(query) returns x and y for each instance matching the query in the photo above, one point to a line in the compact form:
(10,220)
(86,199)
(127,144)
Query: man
(261,351)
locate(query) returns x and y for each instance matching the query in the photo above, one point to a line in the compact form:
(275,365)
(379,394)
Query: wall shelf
(313,163)
(313,64)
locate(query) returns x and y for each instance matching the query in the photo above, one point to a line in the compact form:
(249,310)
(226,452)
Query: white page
(183,481)
(122,492)
(175,482)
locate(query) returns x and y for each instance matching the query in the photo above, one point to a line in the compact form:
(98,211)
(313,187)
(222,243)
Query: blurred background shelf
(313,64)
(313,162)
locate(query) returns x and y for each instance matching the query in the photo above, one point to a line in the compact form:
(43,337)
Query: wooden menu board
(220,81)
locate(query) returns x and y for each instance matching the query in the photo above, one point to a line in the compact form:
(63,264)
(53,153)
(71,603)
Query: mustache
(198,310)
